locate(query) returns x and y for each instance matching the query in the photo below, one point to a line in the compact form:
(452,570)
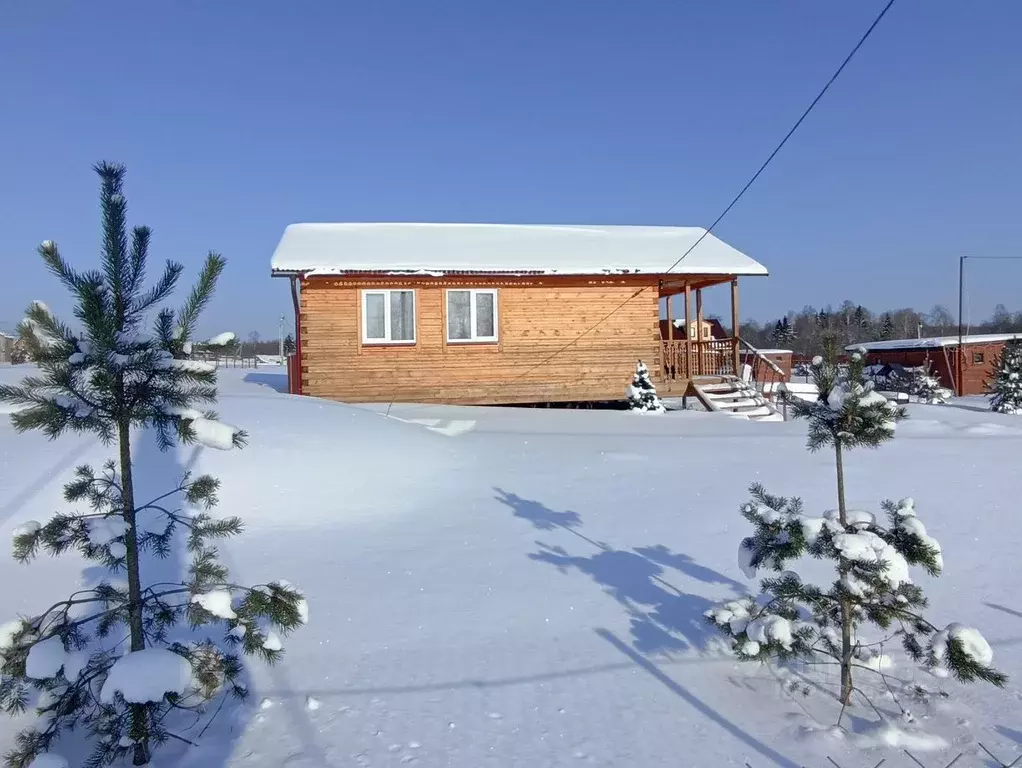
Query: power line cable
(734,201)
(730,205)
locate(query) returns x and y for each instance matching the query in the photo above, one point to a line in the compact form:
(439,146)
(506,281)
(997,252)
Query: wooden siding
(538,318)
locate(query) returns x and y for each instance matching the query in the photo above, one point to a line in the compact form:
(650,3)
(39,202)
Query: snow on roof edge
(511,249)
(932,341)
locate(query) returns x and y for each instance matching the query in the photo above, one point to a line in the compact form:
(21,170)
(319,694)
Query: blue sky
(235,119)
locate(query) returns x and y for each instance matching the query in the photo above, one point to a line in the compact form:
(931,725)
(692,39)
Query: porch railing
(683,359)
(766,376)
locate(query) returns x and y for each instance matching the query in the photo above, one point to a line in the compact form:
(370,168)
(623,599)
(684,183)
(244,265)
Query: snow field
(530,590)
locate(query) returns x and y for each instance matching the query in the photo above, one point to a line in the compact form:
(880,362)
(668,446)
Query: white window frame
(473,293)
(386,292)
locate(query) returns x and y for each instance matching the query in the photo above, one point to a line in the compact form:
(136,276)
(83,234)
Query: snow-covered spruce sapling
(119,659)
(924,386)
(872,586)
(641,393)
(1005,388)
(918,382)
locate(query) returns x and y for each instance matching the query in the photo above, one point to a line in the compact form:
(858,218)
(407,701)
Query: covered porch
(690,345)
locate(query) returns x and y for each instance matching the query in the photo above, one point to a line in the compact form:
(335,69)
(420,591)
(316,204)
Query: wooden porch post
(699,330)
(734,325)
(670,365)
(688,331)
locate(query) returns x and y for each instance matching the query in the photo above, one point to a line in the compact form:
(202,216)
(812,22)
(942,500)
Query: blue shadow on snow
(275,381)
(663,617)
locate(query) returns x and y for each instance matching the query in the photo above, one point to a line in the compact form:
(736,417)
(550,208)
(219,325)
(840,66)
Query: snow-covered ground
(525,587)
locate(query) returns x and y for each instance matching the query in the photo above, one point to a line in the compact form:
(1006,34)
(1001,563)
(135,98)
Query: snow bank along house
(499,313)
(963,374)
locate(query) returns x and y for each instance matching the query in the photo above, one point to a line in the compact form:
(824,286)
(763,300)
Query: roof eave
(396,271)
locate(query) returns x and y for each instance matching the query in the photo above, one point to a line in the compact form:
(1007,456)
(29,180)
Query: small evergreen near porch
(641,393)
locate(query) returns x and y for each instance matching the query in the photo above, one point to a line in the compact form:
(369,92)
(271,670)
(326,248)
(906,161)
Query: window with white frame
(388,317)
(471,315)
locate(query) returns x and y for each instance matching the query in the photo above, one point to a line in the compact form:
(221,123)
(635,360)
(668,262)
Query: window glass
(402,316)
(376,319)
(485,315)
(459,315)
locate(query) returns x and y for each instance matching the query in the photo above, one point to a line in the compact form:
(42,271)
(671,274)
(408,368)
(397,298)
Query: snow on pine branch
(216,602)
(185,366)
(221,339)
(207,431)
(35,322)
(188,414)
(958,640)
(146,676)
(215,434)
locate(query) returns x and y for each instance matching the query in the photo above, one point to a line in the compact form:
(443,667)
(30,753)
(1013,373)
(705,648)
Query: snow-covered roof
(332,249)
(932,341)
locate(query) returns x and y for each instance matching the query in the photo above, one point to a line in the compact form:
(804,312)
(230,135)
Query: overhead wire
(865,36)
(759,171)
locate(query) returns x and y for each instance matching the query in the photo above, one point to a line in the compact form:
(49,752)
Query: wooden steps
(735,398)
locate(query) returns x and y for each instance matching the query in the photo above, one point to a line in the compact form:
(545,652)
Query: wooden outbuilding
(500,313)
(964,374)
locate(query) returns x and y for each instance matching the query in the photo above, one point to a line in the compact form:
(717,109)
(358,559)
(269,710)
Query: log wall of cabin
(537,318)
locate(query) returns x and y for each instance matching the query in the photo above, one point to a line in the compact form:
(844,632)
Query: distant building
(6,347)
(942,353)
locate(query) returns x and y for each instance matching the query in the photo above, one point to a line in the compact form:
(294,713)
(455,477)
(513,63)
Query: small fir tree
(1005,388)
(289,344)
(924,386)
(861,318)
(886,328)
(641,393)
(68,661)
(872,585)
(789,332)
(777,335)
(783,333)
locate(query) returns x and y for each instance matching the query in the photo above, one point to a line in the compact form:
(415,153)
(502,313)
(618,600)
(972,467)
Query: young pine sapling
(872,585)
(119,659)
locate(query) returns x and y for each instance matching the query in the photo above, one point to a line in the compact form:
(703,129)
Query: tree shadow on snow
(1004,609)
(663,617)
(695,702)
(542,517)
(277,381)
(54,473)
(1011,733)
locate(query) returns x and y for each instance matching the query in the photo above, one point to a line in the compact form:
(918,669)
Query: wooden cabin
(499,313)
(963,374)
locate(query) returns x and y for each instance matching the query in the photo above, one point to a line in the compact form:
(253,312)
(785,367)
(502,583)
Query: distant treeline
(803,332)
